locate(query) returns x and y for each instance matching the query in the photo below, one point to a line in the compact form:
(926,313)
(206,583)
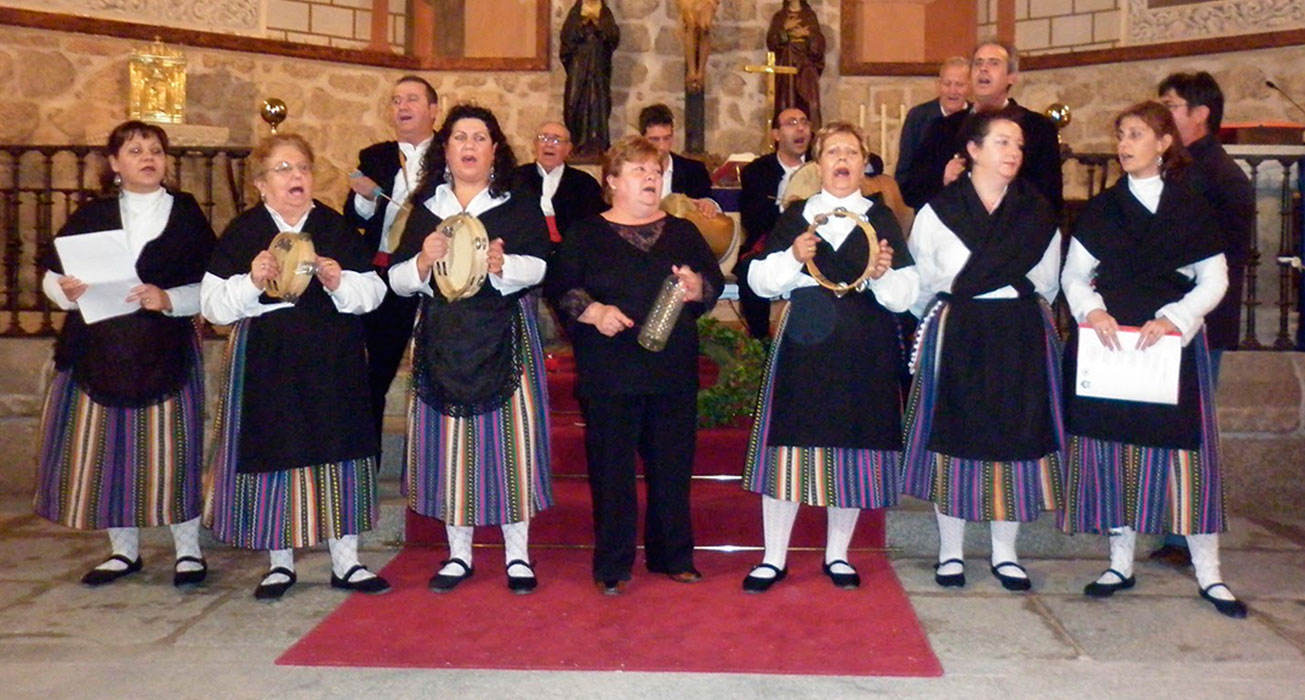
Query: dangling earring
(117,180)
(448,174)
(491,174)
(1159,160)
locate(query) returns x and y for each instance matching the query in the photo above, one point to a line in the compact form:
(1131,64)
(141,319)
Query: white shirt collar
(666,176)
(445,204)
(548,188)
(837,228)
(280,221)
(1147,190)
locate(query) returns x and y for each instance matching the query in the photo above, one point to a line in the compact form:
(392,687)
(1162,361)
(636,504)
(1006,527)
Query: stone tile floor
(141,638)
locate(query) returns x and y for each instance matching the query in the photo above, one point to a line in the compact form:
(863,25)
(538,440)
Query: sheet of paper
(1148,376)
(105,262)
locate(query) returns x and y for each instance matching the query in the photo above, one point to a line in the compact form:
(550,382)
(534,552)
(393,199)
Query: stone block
(287,15)
(1021,12)
(1106,26)
(355,4)
(330,21)
(1259,392)
(362,25)
(44,74)
(1081,6)
(1005,628)
(18,444)
(1048,8)
(1033,34)
(1071,30)
(1262,476)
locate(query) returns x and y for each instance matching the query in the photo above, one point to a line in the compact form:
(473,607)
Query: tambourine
(462,270)
(297,257)
(718,230)
(871,238)
(803,184)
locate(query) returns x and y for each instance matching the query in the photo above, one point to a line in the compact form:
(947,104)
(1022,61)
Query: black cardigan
(596,259)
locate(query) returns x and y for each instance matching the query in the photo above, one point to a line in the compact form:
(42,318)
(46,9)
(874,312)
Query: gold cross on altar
(771,70)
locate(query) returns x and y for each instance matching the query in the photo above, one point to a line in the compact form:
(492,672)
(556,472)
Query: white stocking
(516,545)
(185,537)
(777,525)
(283,559)
(1123,540)
(951,542)
(838,536)
(124,541)
(1004,534)
(344,556)
(459,548)
(1205,559)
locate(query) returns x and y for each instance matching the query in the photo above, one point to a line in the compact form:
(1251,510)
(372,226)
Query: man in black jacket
(387,172)
(763,182)
(994,68)
(682,175)
(566,194)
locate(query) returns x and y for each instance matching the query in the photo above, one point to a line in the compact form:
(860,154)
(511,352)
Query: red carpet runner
(802,626)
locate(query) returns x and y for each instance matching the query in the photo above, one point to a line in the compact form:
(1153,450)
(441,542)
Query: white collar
(281,223)
(411,150)
(556,172)
(823,202)
(445,204)
(1147,190)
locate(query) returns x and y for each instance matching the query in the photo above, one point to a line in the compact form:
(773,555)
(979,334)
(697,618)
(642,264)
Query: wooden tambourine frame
(462,271)
(297,258)
(872,241)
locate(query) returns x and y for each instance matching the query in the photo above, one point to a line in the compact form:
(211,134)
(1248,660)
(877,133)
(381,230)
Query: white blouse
(1187,314)
(779,273)
(939,255)
(225,301)
(144,216)
(405,179)
(519,271)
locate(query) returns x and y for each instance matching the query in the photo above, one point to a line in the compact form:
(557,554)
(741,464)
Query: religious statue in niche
(157,79)
(589,36)
(797,41)
(696,17)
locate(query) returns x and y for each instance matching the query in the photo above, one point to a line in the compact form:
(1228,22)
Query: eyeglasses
(550,139)
(796,121)
(284,168)
(1172,105)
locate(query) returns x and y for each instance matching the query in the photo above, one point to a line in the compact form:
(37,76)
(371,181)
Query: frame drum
(295,254)
(462,271)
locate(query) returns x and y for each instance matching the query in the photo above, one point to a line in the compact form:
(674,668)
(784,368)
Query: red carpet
(802,626)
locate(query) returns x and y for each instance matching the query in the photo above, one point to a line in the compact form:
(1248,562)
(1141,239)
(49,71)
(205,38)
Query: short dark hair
(655,115)
(976,127)
(119,137)
(432,97)
(774,121)
(1197,89)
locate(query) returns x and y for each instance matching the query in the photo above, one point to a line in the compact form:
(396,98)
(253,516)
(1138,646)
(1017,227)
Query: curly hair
(1157,117)
(435,162)
(118,138)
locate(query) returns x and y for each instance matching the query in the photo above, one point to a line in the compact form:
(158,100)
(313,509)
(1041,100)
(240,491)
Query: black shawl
(144,357)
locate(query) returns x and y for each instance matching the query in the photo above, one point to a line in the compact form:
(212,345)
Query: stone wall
(343,23)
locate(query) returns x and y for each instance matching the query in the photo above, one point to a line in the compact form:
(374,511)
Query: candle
(883,126)
(860,121)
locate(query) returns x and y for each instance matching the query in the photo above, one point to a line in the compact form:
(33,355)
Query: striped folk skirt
(486,469)
(109,466)
(1153,490)
(287,509)
(815,476)
(974,489)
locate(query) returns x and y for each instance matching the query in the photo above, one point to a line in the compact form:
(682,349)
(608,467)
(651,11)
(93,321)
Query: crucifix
(771,70)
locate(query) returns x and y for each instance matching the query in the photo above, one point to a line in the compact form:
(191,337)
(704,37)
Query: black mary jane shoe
(372,584)
(1012,583)
(521,585)
(443,583)
(193,577)
(274,591)
(1232,608)
(846,582)
(760,584)
(99,577)
(949,580)
(1097,589)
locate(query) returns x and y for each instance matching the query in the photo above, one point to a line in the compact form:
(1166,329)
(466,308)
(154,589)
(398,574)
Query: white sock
(185,537)
(838,536)
(777,526)
(951,542)
(459,548)
(280,558)
(344,556)
(516,545)
(1205,559)
(1004,534)
(124,541)
(1123,540)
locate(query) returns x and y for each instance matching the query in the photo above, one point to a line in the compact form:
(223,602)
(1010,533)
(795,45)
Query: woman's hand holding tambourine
(328,273)
(1106,327)
(804,248)
(72,287)
(608,319)
(435,247)
(494,260)
(263,268)
(690,282)
(883,261)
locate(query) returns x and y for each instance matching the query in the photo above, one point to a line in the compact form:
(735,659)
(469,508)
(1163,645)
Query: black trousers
(755,310)
(662,429)
(388,330)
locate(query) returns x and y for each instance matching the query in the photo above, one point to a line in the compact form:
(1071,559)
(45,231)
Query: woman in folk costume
(829,423)
(295,452)
(122,428)
(1146,253)
(478,421)
(984,434)
(604,280)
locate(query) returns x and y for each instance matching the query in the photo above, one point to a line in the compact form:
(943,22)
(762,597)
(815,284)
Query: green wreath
(741,360)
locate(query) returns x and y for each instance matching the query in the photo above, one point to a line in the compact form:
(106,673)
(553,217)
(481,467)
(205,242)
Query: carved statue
(797,41)
(589,36)
(695,20)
